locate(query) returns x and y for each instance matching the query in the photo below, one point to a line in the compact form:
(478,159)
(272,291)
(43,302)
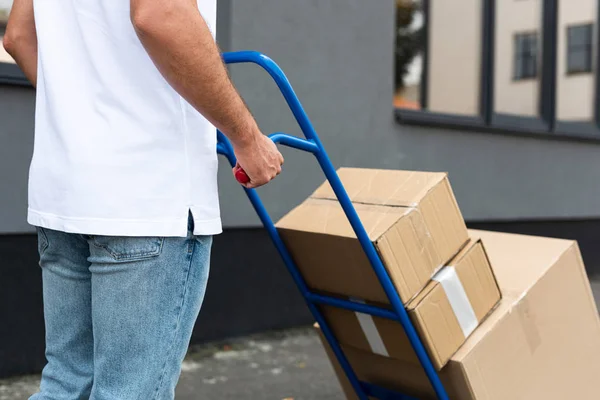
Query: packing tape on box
(370,330)
(459,301)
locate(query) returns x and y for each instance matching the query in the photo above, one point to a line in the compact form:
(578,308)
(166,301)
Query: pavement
(288,365)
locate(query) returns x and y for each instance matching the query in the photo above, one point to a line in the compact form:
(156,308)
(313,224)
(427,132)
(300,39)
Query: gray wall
(16,147)
(338,55)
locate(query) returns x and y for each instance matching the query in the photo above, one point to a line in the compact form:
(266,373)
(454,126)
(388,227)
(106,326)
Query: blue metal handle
(313,145)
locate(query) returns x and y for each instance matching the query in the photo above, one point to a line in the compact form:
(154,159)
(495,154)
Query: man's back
(118,151)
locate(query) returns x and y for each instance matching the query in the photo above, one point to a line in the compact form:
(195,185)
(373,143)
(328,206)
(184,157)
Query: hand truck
(313,145)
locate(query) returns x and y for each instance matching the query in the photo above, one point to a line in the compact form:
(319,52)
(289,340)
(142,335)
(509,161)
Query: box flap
(386,187)
(327,217)
(476,275)
(528,259)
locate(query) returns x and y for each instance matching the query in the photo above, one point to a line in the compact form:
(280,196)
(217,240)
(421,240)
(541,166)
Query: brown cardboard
(431,312)
(541,343)
(411,217)
(430,192)
(339,372)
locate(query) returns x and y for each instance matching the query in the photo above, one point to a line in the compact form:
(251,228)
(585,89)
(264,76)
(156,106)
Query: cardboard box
(357,356)
(339,372)
(445,313)
(541,343)
(411,217)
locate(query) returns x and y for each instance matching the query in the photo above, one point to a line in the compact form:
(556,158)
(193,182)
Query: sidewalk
(275,366)
(290,365)
(281,365)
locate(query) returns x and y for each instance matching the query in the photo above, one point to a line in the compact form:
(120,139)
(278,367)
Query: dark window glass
(579,48)
(526,56)
(409,47)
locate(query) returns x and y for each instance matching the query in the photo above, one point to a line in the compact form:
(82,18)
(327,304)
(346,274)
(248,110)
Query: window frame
(589,47)
(543,125)
(518,55)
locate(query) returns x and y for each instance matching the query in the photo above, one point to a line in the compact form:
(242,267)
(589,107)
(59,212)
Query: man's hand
(260,159)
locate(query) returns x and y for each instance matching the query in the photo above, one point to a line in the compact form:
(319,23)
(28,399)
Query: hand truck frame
(313,145)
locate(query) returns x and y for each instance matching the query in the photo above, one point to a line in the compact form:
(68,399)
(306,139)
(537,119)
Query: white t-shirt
(117,150)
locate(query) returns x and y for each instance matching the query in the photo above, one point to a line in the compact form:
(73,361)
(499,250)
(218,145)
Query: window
(438,56)
(517,62)
(577,88)
(526,56)
(579,49)
(409,54)
(525,66)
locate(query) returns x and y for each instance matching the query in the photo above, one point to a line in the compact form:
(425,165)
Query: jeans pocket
(42,240)
(123,248)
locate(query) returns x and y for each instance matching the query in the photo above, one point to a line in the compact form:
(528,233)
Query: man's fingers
(255,183)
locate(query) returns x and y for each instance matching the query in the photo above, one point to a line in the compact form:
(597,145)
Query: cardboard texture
(411,217)
(541,343)
(339,372)
(431,312)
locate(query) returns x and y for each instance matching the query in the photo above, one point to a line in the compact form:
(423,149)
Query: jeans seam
(131,257)
(177,325)
(44,246)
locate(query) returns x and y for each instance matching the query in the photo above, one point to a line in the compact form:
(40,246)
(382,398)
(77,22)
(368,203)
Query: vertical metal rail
(313,145)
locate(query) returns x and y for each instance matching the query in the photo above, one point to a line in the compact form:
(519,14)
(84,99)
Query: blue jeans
(119,313)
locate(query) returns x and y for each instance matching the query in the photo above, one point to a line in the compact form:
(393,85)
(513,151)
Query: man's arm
(20,39)
(181,45)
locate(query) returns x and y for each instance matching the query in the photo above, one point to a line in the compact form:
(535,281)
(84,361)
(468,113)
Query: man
(123,183)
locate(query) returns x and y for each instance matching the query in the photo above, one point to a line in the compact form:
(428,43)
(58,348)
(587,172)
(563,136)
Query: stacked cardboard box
(411,217)
(541,343)
(442,328)
(444,279)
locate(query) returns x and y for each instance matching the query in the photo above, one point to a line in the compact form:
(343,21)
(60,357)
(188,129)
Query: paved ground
(285,365)
(277,366)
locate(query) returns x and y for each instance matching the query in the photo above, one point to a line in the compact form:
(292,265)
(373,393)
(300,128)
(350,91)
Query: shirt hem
(114,227)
